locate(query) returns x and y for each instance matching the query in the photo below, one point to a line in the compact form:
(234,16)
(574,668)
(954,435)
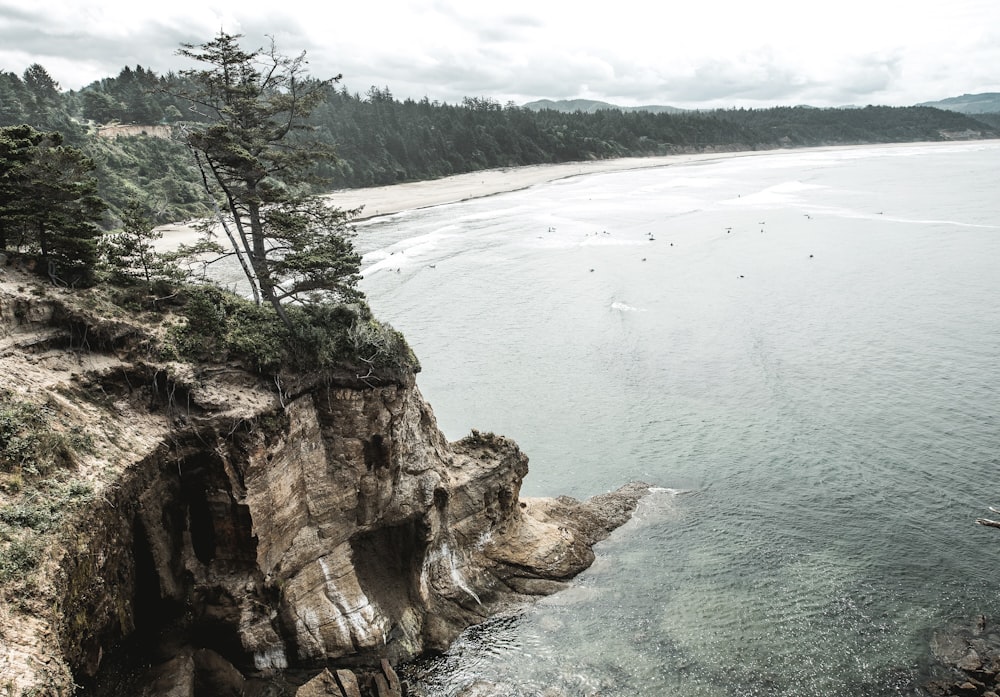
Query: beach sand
(386,200)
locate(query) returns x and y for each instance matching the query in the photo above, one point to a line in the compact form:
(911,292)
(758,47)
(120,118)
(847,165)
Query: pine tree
(49,203)
(255,153)
(130,253)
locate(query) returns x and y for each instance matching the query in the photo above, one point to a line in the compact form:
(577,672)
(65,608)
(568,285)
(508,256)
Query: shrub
(18,558)
(223,326)
(27,443)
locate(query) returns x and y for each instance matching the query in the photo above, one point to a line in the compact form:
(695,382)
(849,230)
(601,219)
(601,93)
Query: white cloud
(709,53)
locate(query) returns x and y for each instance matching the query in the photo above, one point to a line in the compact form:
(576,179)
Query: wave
(624,307)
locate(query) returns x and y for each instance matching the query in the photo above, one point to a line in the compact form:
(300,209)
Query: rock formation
(312,521)
(967,660)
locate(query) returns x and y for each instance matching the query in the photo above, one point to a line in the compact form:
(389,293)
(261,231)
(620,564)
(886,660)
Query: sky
(693,54)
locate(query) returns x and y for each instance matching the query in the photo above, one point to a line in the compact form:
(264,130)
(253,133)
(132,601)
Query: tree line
(253,155)
(378,139)
(251,139)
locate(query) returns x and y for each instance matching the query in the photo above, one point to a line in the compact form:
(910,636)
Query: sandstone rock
(348,683)
(331,520)
(535,586)
(968,689)
(970,661)
(216,676)
(175,678)
(323,685)
(392,680)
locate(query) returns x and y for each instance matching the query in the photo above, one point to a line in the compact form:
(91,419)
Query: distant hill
(984,103)
(590,106)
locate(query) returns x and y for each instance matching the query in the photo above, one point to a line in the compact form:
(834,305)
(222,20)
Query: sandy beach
(386,200)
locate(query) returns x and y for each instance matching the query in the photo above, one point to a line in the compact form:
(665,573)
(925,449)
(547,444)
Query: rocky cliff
(310,521)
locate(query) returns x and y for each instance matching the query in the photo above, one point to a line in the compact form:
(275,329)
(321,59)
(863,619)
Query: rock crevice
(336,527)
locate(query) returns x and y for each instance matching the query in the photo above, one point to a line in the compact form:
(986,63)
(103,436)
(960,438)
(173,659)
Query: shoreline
(391,199)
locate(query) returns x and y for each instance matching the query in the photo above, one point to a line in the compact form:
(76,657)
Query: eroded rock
(329,523)
(968,658)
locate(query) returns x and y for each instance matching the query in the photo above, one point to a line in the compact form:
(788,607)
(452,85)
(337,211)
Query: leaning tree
(257,155)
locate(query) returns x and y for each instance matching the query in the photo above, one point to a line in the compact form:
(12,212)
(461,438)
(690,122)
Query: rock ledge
(333,526)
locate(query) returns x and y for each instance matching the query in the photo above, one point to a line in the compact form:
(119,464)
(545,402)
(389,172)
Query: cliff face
(331,524)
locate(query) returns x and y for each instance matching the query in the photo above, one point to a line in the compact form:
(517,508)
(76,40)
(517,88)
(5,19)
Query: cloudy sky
(693,53)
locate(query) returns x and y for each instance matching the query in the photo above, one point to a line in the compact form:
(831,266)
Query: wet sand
(386,200)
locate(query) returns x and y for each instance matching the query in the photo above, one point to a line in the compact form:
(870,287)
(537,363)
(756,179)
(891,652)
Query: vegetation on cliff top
(258,164)
(220,326)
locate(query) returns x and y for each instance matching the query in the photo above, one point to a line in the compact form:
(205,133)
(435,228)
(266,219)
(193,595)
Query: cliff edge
(277,521)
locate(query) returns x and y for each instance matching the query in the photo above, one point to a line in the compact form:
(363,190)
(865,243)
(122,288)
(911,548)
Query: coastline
(395,198)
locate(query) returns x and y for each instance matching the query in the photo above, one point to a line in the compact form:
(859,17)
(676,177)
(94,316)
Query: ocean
(797,350)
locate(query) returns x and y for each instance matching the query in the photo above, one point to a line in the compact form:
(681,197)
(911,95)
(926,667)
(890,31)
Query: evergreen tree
(130,253)
(49,203)
(256,152)
(43,89)
(99,106)
(12,100)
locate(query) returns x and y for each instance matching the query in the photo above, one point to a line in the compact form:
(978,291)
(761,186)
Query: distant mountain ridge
(590,106)
(983,103)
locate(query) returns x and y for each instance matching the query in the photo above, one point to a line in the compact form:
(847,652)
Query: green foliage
(25,518)
(315,260)
(18,558)
(42,508)
(255,153)
(48,202)
(30,443)
(130,254)
(322,334)
(159,171)
(31,446)
(381,347)
(21,424)
(223,326)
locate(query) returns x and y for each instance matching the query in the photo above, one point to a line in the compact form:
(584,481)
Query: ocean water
(799,350)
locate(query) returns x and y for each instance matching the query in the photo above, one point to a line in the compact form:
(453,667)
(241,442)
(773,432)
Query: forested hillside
(381,140)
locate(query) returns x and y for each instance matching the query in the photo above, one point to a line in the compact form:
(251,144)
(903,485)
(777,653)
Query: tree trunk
(258,260)
(222,222)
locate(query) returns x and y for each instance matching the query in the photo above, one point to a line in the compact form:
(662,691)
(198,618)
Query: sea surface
(799,350)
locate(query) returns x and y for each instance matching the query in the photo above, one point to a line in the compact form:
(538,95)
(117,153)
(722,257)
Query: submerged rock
(325,522)
(967,659)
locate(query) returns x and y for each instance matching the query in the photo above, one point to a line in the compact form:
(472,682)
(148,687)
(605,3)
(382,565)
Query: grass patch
(32,443)
(37,456)
(18,558)
(27,517)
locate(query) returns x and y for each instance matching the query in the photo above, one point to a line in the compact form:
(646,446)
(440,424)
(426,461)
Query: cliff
(314,520)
